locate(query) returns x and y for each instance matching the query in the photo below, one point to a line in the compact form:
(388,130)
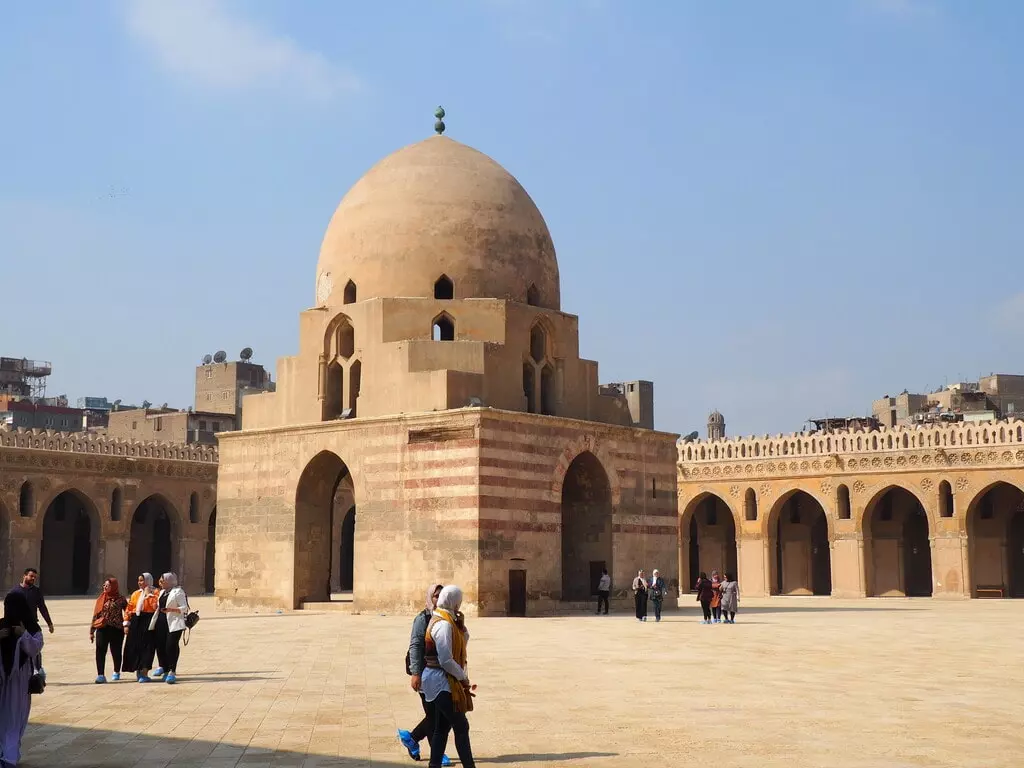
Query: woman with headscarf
(704,595)
(444,681)
(21,641)
(414,663)
(168,624)
(138,645)
(730,599)
(716,597)
(107,630)
(640,595)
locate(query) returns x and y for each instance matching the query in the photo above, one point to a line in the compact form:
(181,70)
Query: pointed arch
(443,327)
(799,531)
(349,294)
(444,288)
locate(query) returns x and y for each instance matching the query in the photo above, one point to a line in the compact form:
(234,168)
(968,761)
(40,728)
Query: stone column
(752,558)
(192,565)
(848,566)
(112,558)
(950,575)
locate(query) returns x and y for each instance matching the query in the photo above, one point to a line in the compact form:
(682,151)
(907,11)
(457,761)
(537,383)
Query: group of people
(436,665)
(645,590)
(149,622)
(718,598)
(132,630)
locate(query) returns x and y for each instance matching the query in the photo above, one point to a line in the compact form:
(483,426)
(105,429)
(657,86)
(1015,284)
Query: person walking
(657,593)
(716,597)
(21,642)
(640,595)
(704,595)
(730,599)
(444,679)
(107,629)
(604,588)
(168,624)
(138,642)
(29,587)
(414,665)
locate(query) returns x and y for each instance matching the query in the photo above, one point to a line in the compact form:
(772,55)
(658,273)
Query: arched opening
(529,387)
(444,288)
(210,571)
(712,533)
(346,341)
(750,505)
(115,505)
(315,505)
(193,507)
(897,549)
(334,397)
(69,544)
(800,557)
(347,551)
(945,499)
(153,546)
(547,391)
(26,500)
(995,544)
(538,343)
(349,296)
(843,502)
(533,296)
(586,527)
(444,328)
(355,375)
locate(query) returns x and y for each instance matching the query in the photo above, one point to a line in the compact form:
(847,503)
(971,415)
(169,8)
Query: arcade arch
(586,505)
(71,533)
(153,542)
(315,513)
(210,569)
(709,528)
(799,550)
(995,539)
(897,545)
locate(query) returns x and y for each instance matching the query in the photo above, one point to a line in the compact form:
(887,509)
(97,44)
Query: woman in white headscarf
(444,681)
(138,643)
(168,624)
(414,668)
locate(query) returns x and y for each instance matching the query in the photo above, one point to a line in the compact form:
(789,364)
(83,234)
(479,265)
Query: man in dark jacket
(414,665)
(36,602)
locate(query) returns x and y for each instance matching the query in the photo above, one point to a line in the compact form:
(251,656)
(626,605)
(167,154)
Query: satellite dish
(163,407)
(246,354)
(146,403)
(207,359)
(691,437)
(220,357)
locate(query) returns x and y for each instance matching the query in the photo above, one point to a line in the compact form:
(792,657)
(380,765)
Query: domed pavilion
(437,422)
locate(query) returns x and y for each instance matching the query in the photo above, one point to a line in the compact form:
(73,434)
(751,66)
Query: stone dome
(432,209)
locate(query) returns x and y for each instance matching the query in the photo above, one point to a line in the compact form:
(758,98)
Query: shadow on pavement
(45,746)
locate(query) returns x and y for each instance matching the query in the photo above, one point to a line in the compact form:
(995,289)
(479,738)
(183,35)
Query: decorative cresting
(992,445)
(101,445)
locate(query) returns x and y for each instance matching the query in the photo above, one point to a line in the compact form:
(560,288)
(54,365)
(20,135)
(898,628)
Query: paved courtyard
(797,682)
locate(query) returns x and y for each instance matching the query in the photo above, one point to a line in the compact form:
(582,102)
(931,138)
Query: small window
(538,343)
(158,424)
(444,288)
(215,426)
(193,508)
(349,296)
(346,341)
(654,488)
(209,373)
(209,396)
(202,425)
(115,505)
(843,498)
(135,425)
(945,499)
(444,329)
(533,296)
(750,505)
(26,500)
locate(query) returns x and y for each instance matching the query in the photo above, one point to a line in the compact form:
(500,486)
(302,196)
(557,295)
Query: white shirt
(605,584)
(175,620)
(433,680)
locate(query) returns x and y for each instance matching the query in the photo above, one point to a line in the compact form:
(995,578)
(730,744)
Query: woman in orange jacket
(138,646)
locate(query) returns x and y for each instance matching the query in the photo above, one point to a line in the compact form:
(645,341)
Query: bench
(990,590)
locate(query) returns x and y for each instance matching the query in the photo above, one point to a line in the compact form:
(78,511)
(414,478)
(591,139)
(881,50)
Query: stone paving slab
(798,682)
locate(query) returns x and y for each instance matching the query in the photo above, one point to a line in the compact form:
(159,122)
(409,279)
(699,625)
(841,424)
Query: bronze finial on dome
(439,125)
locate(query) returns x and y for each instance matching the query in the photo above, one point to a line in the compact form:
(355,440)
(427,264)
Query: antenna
(207,359)
(220,357)
(246,354)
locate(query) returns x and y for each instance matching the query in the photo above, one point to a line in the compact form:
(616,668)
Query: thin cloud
(1008,315)
(202,42)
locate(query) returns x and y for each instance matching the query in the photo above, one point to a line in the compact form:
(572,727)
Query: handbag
(36,683)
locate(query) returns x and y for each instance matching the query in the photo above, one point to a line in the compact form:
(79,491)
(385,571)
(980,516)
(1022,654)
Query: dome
(716,418)
(432,209)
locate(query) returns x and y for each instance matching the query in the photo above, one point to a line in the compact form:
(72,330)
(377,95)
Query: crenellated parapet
(915,447)
(102,445)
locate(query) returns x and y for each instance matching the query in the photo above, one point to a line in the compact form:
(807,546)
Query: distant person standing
(657,593)
(704,595)
(640,595)
(604,588)
(730,599)
(36,603)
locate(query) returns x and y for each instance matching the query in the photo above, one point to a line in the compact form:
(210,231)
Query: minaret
(716,426)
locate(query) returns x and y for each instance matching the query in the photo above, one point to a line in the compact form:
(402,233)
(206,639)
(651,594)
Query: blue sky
(779,210)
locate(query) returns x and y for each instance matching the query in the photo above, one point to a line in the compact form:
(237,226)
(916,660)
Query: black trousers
(425,728)
(717,612)
(706,607)
(112,638)
(447,719)
(167,649)
(602,597)
(641,604)
(657,609)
